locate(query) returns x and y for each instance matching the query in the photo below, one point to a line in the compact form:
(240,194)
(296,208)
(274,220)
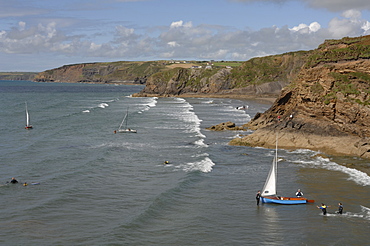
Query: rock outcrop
(326,108)
(230,126)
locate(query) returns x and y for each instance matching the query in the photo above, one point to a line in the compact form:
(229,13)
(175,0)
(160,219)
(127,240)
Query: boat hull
(127,131)
(285,200)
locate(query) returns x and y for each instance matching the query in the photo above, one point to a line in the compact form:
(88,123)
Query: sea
(172,183)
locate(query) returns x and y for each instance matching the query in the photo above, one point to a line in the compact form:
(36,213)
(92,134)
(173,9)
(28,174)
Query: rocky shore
(326,108)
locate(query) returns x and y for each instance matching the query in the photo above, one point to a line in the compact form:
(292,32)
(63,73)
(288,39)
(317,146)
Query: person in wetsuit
(13,181)
(258,196)
(323,207)
(340,208)
(299,193)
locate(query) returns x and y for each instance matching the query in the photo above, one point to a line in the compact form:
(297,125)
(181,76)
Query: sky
(36,35)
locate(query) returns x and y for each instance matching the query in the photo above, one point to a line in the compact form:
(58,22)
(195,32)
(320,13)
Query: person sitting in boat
(323,207)
(340,208)
(299,193)
(14,181)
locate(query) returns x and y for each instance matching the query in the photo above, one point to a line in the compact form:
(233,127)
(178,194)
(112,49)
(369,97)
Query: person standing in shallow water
(258,196)
(323,207)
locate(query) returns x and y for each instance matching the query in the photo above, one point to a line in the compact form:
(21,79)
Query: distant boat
(269,194)
(124,123)
(28,125)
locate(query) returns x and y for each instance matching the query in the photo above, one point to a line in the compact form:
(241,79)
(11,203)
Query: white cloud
(314,26)
(366,28)
(177,24)
(303,28)
(124,31)
(172,44)
(351,14)
(22,25)
(352,24)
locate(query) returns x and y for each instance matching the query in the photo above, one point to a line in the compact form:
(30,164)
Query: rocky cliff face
(71,73)
(326,108)
(258,76)
(111,72)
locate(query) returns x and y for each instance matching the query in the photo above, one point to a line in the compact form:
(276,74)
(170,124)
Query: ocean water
(100,188)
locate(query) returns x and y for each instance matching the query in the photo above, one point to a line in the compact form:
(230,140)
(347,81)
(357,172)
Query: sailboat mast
(276,160)
(126,117)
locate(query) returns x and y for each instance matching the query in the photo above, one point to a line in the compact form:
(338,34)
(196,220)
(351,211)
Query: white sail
(27,117)
(269,189)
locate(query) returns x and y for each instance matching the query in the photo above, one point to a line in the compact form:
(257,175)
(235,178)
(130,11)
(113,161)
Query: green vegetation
(267,69)
(317,89)
(363,77)
(340,50)
(17,75)
(232,64)
(349,85)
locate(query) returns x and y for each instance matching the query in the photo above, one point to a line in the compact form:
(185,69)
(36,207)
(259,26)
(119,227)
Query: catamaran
(124,122)
(269,194)
(28,125)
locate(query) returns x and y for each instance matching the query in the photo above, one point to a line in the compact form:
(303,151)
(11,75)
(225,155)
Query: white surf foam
(148,103)
(190,117)
(200,143)
(204,166)
(86,111)
(357,176)
(103,105)
(208,101)
(153,102)
(364,214)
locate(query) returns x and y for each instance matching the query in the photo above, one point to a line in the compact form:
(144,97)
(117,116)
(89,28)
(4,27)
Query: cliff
(17,75)
(326,107)
(110,72)
(258,76)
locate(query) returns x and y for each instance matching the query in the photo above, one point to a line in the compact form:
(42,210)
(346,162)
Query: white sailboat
(28,125)
(269,194)
(124,123)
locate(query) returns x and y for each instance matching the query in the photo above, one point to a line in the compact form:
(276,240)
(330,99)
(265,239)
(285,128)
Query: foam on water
(200,143)
(208,101)
(192,125)
(364,214)
(147,103)
(205,165)
(103,105)
(357,176)
(152,102)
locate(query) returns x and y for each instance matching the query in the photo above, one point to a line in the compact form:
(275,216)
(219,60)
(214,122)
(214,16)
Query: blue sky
(44,34)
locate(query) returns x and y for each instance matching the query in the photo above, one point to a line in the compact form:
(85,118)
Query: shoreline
(263,98)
